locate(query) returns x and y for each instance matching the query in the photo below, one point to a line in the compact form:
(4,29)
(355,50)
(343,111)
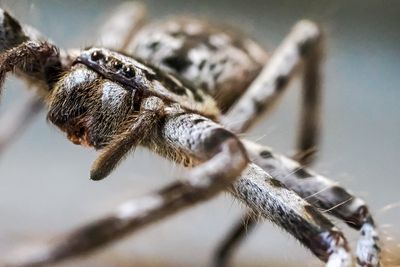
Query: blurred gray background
(44,185)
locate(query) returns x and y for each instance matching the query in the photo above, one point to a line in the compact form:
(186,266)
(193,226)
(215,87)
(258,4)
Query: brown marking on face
(77,132)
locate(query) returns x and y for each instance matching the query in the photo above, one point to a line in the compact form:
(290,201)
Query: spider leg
(122,25)
(322,193)
(14,43)
(318,190)
(234,238)
(37,60)
(303,46)
(264,194)
(221,159)
(17,119)
(271,199)
(24,50)
(120,146)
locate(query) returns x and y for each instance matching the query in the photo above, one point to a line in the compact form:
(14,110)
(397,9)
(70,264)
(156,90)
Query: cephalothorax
(184,88)
(123,83)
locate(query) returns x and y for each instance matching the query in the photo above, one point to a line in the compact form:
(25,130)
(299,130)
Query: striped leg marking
(324,194)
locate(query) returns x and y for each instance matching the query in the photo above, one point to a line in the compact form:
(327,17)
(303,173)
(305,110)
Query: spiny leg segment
(27,53)
(12,37)
(316,189)
(303,45)
(194,134)
(116,33)
(235,237)
(39,59)
(17,119)
(324,194)
(224,159)
(301,49)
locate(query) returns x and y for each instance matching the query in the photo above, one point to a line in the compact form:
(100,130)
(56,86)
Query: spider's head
(90,108)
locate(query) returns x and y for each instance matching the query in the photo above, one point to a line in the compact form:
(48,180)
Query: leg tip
(339,258)
(367,247)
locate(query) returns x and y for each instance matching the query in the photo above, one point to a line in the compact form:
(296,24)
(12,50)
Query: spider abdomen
(219,61)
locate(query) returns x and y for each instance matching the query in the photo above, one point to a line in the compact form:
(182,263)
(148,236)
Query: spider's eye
(96,55)
(129,72)
(117,65)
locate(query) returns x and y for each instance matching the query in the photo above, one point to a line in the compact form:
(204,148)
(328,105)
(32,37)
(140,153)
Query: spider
(185,88)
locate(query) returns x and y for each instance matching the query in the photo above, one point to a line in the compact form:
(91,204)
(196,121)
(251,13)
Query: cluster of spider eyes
(117,65)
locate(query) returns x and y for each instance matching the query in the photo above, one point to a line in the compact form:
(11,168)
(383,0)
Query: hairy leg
(17,119)
(33,58)
(121,27)
(301,48)
(271,199)
(223,157)
(318,190)
(151,113)
(12,36)
(232,241)
(265,195)
(324,194)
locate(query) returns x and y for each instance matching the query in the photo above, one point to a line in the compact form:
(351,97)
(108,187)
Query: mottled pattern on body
(219,61)
(186,89)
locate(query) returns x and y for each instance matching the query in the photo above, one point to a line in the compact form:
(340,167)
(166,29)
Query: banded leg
(17,51)
(256,188)
(324,194)
(17,119)
(197,136)
(315,189)
(224,159)
(12,35)
(302,46)
(273,200)
(33,58)
(330,197)
(234,238)
(122,26)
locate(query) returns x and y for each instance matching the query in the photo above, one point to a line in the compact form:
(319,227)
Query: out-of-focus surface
(44,185)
